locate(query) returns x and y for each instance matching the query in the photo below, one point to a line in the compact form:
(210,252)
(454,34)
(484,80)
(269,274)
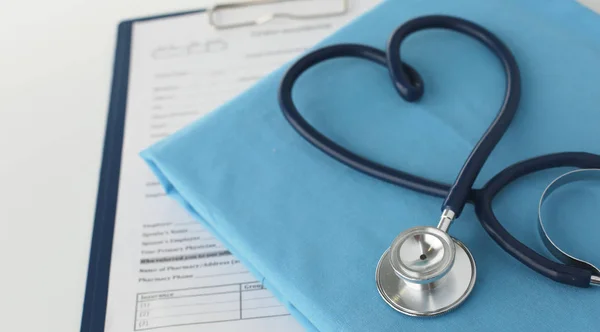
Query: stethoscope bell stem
(426,272)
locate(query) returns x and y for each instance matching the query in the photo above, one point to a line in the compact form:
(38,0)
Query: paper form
(168,272)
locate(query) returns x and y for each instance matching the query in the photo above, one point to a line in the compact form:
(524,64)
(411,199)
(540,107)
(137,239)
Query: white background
(55,73)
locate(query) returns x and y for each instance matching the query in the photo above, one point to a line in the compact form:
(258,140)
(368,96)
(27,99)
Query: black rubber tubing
(409,85)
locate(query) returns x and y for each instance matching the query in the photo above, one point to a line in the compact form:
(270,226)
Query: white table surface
(56,60)
(55,71)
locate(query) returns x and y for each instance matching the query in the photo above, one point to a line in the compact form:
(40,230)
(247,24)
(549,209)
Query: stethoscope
(425,271)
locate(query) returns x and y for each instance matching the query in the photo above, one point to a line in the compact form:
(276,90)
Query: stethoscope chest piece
(425,272)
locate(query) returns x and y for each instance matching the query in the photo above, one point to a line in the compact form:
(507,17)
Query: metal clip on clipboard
(269,16)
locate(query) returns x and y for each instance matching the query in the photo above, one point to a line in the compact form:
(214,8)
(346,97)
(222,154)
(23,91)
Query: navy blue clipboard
(96,292)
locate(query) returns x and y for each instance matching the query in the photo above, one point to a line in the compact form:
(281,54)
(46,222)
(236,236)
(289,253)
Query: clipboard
(98,274)
(96,289)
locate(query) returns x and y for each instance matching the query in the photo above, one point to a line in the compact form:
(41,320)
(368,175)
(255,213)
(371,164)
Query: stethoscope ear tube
(584,174)
(567,274)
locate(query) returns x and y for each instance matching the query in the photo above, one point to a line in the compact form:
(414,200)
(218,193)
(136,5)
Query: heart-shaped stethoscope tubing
(409,85)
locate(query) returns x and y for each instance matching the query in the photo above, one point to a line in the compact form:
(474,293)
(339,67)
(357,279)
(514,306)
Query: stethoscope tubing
(566,274)
(410,86)
(333,149)
(459,192)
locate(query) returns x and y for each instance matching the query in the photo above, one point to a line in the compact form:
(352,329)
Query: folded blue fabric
(315,229)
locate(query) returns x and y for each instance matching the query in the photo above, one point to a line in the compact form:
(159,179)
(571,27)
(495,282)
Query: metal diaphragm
(425,272)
